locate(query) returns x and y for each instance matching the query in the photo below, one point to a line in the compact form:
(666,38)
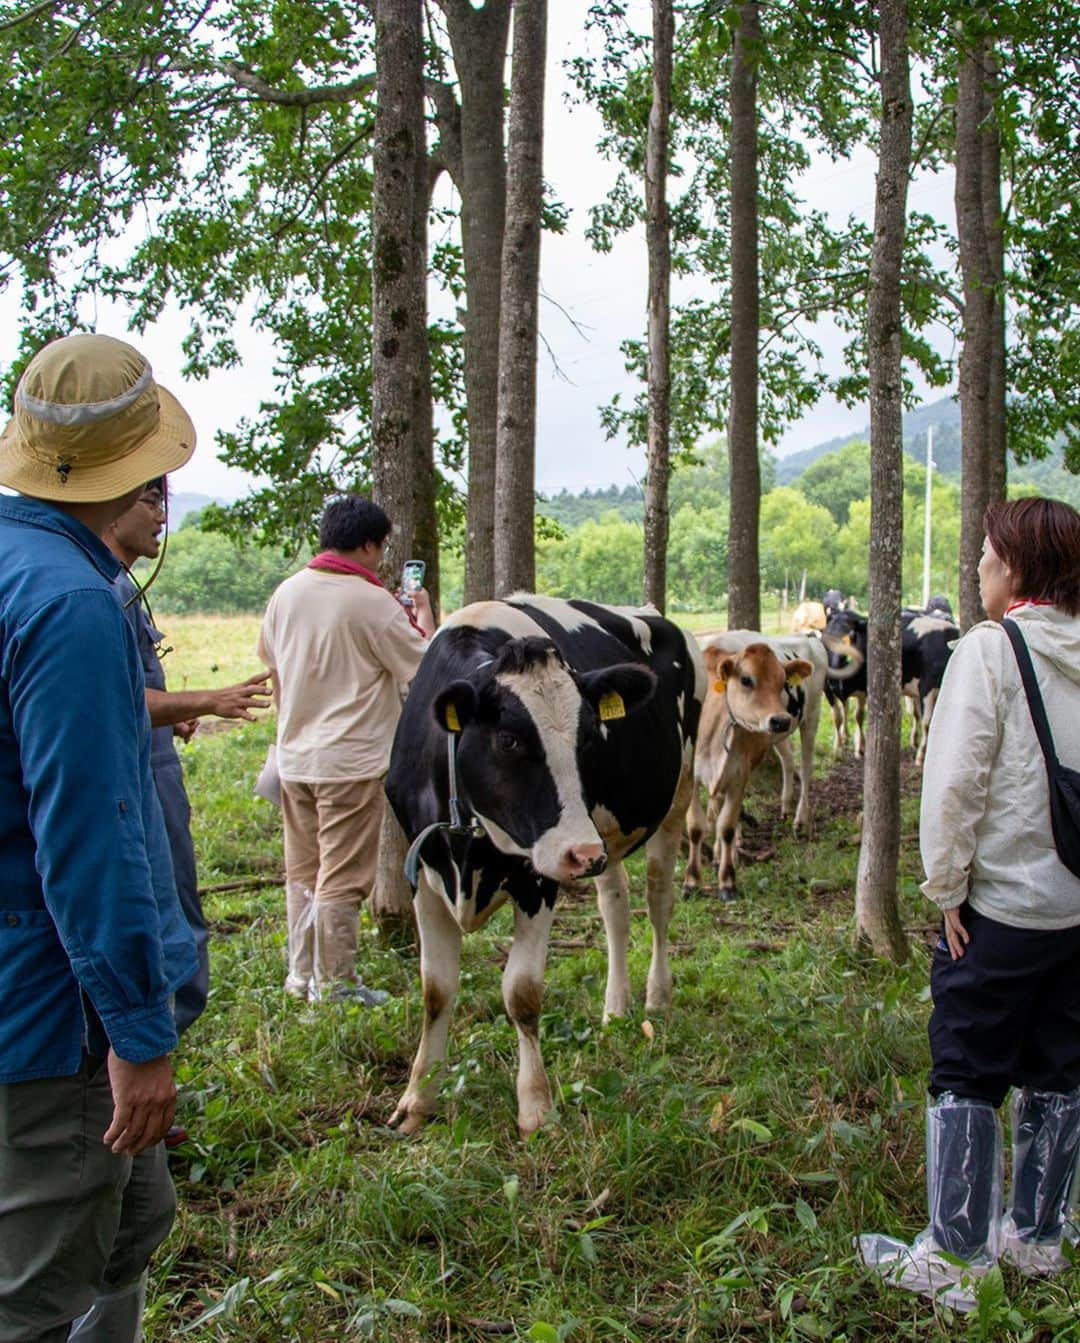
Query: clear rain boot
(300,917)
(1046,1146)
(115,1317)
(964,1183)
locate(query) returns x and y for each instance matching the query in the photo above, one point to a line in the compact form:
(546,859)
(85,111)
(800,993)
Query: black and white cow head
(523,722)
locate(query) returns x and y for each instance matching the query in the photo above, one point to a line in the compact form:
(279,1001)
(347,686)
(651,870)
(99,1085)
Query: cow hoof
(407,1122)
(690,890)
(727,894)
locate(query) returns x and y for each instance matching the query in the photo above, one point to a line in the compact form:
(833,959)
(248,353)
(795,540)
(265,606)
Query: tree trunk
(994,224)
(515,461)
(478,41)
(401,398)
(975,358)
(744,578)
(876,912)
(658,237)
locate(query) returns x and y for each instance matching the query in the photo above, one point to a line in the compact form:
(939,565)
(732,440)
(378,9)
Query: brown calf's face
(753,680)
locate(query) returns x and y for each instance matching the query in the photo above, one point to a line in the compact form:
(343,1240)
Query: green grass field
(699,1182)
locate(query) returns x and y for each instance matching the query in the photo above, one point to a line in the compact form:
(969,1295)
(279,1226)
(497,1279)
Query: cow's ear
(455,707)
(712,655)
(616,692)
(798,669)
(723,670)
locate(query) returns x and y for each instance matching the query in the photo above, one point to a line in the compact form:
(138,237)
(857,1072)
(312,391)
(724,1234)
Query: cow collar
(457,824)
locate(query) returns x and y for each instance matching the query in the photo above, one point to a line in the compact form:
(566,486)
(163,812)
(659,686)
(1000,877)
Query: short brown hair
(1039,540)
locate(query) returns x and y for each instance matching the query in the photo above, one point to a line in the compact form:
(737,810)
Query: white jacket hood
(1054,634)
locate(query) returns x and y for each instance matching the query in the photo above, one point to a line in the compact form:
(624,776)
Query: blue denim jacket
(91,932)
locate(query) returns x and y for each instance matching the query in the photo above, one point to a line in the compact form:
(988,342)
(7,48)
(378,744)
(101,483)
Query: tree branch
(247,79)
(27,14)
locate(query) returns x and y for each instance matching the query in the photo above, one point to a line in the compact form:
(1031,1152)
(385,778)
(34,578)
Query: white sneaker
(922,1268)
(344,992)
(296,987)
(1035,1259)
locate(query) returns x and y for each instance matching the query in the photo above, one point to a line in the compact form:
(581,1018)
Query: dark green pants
(74,1218)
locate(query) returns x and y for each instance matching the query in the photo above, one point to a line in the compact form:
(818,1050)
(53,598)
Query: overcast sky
(590,304)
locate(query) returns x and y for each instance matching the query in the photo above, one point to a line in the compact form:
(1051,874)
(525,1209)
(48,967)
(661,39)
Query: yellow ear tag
(611,706)
(794,681)
(719,686)
(452,720)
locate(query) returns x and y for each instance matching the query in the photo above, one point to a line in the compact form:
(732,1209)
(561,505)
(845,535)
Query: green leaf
(756,1130)
(805,1215)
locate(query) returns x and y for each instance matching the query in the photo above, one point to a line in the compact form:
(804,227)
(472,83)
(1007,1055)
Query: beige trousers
(331,856)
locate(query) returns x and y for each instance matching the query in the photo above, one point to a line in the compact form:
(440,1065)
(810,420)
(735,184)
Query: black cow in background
(925,647)
(847,698)
(541,741)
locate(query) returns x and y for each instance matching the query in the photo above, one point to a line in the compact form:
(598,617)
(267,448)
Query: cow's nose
(585,860)
(780,722)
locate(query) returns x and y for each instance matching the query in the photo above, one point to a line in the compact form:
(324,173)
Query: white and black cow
(847,697)
(925,647)
(569,731)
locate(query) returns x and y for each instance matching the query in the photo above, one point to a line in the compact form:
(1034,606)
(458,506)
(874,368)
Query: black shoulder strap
(1031,689)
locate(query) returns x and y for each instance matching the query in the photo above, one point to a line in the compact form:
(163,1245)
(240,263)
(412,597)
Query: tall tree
(401,465)
(876,912)
(515,466)
(744,576)
(399,270)
(658,241)
(478,39)
(976,358)
(994,225)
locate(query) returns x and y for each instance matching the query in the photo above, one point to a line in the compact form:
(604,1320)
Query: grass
(699,1182)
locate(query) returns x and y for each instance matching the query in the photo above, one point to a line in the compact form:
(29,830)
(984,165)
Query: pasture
(701,1180)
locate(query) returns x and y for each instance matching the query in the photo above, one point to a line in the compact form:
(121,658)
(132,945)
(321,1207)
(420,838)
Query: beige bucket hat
(91,423)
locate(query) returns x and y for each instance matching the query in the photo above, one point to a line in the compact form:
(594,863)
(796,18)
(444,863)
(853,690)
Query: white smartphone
(412,576)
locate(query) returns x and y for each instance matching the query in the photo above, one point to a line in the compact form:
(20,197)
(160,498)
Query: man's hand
(425,617)
(237,701)
(144,1103)
(187,729)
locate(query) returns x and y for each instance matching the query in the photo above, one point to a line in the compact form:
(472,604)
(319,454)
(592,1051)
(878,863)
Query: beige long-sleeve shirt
(342,651)
(985,831)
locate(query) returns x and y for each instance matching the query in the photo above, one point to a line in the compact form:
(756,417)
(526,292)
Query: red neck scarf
(1027,601)
(330,562)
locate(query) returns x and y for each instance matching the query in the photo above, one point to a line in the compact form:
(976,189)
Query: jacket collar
(27,512)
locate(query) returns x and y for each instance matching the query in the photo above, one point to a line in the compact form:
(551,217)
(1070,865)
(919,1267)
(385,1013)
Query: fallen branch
(243,884)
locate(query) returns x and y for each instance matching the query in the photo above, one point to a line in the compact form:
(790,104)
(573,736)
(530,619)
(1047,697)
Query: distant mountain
(181,504)
(943,416)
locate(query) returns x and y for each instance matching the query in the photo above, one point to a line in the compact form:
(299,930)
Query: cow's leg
(726,835)
(804,817)
(523,994)
(839,722)
(860,724)
(661,851)
(787,776)
(927,716)
(695,832)
(912,701)
(613,896)
(440,971)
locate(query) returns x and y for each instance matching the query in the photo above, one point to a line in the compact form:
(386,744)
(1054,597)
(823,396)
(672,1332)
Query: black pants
(1007,1013)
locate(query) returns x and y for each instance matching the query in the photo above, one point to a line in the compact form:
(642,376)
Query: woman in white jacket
(1006,971)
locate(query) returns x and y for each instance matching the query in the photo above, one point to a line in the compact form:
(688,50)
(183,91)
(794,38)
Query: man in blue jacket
(92,939)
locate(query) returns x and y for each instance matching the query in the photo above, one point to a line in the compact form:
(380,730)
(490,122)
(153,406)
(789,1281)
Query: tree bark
(515,460)
(744,577)
(478,41)
(876,910)
(994,223)
(975,359)
(401,385)
(658,240)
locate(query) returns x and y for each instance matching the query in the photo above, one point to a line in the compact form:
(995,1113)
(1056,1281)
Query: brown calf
(753,704)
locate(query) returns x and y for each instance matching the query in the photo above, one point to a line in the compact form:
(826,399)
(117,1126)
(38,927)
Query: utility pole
(926,522)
